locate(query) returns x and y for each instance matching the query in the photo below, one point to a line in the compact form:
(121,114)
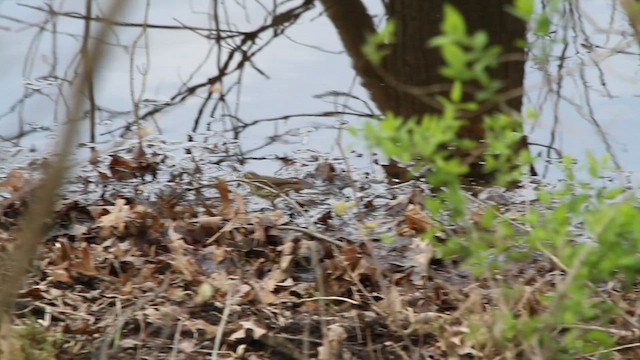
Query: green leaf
(594,169)
(543,24)
(388,33)
(439,40)
(387,239)
(612,193)
(374,48)
(453,55)
(453,23)
(480,40)
(456,92)
(531,112)
(522,9)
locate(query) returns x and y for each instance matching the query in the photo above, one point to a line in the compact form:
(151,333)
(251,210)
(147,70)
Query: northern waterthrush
(270,188)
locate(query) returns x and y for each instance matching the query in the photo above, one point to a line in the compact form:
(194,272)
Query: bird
(271,188)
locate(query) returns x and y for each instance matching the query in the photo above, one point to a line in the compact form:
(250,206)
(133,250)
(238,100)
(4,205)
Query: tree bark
(354,25)
(411,65)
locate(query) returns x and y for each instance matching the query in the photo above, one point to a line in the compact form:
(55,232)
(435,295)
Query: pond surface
(587,92)
(292,92)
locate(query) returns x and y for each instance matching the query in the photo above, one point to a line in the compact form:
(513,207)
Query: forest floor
(195,269)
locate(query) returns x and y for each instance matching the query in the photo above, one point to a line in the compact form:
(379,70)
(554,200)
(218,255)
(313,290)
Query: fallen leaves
(138,165)
(121,251)
(180,269)
(416,219)
(15,181)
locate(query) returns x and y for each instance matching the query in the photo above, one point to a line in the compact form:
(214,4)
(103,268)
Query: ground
(194,268)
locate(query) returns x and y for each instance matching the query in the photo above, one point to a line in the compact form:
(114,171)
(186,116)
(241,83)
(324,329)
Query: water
(588,103)
(587,91)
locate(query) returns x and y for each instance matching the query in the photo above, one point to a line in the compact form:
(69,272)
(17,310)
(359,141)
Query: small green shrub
(589,235)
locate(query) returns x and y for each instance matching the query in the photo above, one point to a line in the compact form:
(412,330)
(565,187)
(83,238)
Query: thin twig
(312,233)
(221,325)
(618,348)
(176,339)
(338,298)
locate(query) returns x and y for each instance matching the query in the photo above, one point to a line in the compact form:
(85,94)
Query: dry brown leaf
(80,327)
(243,294)
(15,181)
(222,283)
(65,254)
(61,275)
(163,316)
(102,176)
(240,203)
(416,219)
(199,324)
(325,171)
(117,251)
(457,342)
(130,343)
(186,346)
(477,214)
(424,323)
(139,154)
(274,278)
(392,302)
(209,222)
(33,292)
(85,264)
(259,233)
(115,219)
(264,293)
(181,260)
(226,210)
(248,328)
(424,251)
(365,268)
(288,282)
(127,289)
(332,343)
(396,173)
(122,168)
(287,255)
(218,253)
(240,353)
(351,256)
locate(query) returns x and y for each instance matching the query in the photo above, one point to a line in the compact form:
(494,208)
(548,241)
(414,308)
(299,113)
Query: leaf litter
(200,267)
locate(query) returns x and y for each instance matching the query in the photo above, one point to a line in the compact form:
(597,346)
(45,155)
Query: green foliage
(376,46)
(522,9)
(540,23)
(35,343)
(608,218)
(467,57)
(404,139)
(590,234)
(502,136)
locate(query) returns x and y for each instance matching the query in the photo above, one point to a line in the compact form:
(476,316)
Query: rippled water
(586,90)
